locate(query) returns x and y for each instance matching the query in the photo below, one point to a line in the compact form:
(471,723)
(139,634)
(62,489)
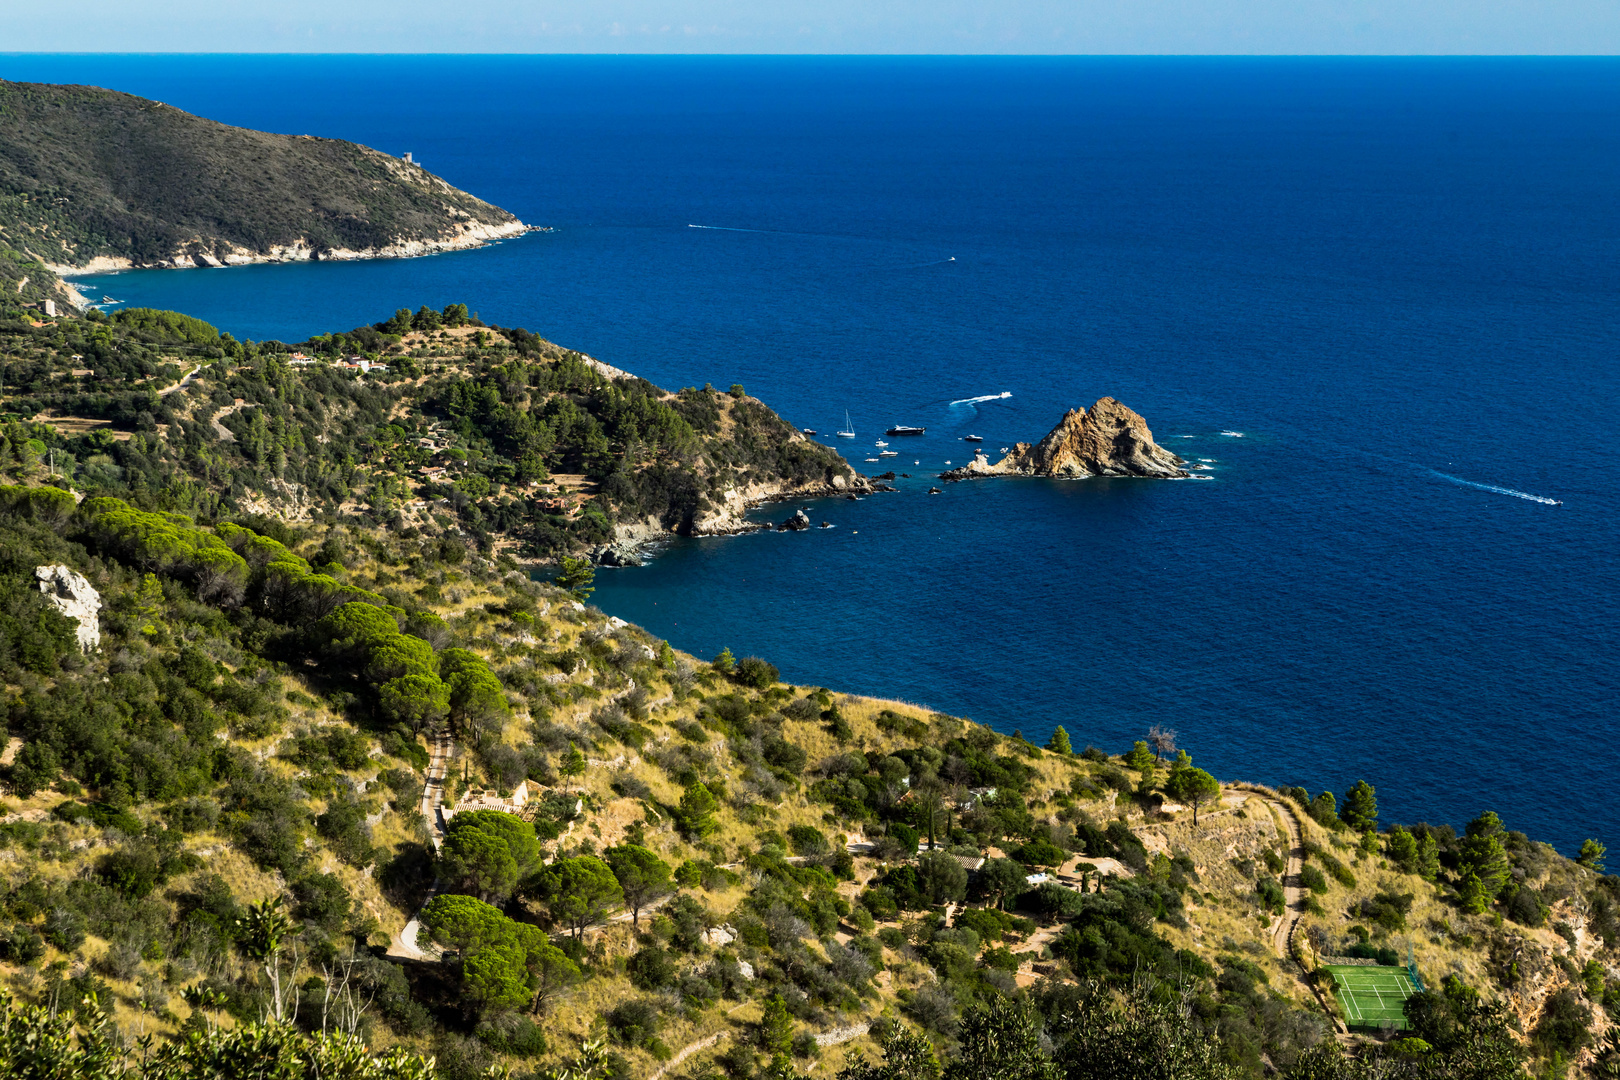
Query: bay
(1391,283)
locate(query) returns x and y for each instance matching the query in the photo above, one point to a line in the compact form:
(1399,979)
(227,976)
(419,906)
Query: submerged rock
(73,596)
(1108,440)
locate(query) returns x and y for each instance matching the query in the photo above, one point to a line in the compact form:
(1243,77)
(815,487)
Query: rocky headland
(1109,439)
(92,180)
(634,542)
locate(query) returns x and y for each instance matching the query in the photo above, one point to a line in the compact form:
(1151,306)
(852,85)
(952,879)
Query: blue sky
(829,26)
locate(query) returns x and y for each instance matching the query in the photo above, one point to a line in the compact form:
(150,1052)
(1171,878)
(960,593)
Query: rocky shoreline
(466,234)
(636,542)
(1108,440)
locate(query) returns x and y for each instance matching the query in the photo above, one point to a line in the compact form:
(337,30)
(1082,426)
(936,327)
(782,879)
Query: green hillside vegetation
(476,435)
(213,831)
(271,825)
(25,280)
(87,172)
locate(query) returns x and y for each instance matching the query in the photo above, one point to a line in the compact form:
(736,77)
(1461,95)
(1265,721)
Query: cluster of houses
(348,363)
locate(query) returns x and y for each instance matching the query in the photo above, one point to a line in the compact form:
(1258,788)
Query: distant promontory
(94,180)
(1107,440)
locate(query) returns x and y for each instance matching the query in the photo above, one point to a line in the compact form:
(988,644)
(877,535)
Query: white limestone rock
(73,597)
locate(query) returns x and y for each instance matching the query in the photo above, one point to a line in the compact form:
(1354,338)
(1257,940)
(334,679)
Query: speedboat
(880,444)
(901,429)
(888,453)
(973,438)
(808,430)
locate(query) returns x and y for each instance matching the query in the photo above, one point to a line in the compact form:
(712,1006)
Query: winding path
(444,748)
(1287,924)
(221,432)
(1282,930)
(181,385)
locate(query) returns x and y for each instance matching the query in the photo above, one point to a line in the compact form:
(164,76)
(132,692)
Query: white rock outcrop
(73,596)
(719,936)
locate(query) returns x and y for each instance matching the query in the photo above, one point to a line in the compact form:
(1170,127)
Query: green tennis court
(1372,996)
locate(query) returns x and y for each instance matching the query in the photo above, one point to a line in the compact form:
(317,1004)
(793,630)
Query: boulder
(797,523)
(618,555)
(70,592)
(719,936)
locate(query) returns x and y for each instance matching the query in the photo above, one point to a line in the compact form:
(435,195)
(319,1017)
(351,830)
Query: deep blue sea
(1381,298)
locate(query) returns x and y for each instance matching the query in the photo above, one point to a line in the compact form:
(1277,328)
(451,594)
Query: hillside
(97,178)
(335,770)
(673,867)
(522,447)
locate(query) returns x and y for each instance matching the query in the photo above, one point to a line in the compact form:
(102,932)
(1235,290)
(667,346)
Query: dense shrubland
(212,826)
(459,438)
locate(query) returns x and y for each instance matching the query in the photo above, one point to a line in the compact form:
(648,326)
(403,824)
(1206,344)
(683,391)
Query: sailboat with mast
(849,429)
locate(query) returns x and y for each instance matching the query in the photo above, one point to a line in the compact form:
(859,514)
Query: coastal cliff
(93,180)
(1108,440)
(758,459)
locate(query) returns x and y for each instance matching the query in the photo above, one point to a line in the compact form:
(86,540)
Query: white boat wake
(986,397)
(1497,490)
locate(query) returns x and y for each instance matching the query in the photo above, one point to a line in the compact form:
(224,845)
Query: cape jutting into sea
(1375,297)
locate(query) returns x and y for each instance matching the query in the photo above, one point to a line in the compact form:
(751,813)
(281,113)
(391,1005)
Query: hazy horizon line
(841,55)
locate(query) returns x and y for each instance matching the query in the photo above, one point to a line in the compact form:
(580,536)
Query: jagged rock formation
(74,597)
(1107,440)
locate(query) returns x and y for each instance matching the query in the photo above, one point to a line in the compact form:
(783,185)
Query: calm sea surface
(1377,297)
